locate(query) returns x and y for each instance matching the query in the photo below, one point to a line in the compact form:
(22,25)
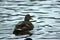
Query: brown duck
(24,27)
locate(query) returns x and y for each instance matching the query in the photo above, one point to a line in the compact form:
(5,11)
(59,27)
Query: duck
(24,27)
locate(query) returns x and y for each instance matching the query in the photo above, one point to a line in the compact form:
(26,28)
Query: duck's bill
(31,19)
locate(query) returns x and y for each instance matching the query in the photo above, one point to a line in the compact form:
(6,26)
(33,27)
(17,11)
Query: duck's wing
(29,25)
(19,25)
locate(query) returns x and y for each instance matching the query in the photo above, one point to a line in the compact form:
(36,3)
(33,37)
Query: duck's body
(23,27)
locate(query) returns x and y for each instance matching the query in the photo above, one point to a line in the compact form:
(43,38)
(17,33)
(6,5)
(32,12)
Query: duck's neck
(26,19)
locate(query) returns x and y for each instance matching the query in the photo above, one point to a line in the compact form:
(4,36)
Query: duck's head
(28,17)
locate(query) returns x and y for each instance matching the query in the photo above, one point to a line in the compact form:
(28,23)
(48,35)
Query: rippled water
(46,18)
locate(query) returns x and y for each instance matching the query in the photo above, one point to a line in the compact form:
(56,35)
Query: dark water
(46,18)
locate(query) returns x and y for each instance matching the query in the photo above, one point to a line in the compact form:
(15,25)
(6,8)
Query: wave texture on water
(46,18)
